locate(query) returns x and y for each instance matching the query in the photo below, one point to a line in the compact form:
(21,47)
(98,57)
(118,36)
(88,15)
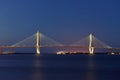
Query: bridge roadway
(83,47)
(54,47)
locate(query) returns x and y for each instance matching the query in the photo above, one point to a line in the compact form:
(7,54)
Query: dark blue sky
(64,20)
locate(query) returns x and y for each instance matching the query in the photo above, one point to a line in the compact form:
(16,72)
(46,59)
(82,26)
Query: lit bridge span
(39,40)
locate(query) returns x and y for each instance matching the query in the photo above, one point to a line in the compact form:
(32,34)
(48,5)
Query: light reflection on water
(90,74)
(37,72)
(62,67)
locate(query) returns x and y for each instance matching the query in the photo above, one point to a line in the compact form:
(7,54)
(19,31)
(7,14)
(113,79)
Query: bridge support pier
(0,50)
(91,48)
(38,43)
(11,50)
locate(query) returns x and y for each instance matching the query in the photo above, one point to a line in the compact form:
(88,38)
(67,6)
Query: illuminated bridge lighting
(39,40)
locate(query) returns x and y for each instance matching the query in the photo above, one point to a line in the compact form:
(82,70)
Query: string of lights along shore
(39,40)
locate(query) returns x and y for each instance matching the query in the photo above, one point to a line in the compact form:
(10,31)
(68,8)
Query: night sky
(66,21)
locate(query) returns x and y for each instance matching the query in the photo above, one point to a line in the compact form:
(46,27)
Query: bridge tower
(91,48)
(38,43)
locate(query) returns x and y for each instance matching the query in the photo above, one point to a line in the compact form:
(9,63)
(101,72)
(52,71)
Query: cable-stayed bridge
(39,40)
(91,42)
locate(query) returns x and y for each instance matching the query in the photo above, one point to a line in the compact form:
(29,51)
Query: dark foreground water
(59,67)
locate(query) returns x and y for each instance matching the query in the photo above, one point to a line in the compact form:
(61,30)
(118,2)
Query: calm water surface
(59,67)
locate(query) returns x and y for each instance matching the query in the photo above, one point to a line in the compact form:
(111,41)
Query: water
(59,67)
